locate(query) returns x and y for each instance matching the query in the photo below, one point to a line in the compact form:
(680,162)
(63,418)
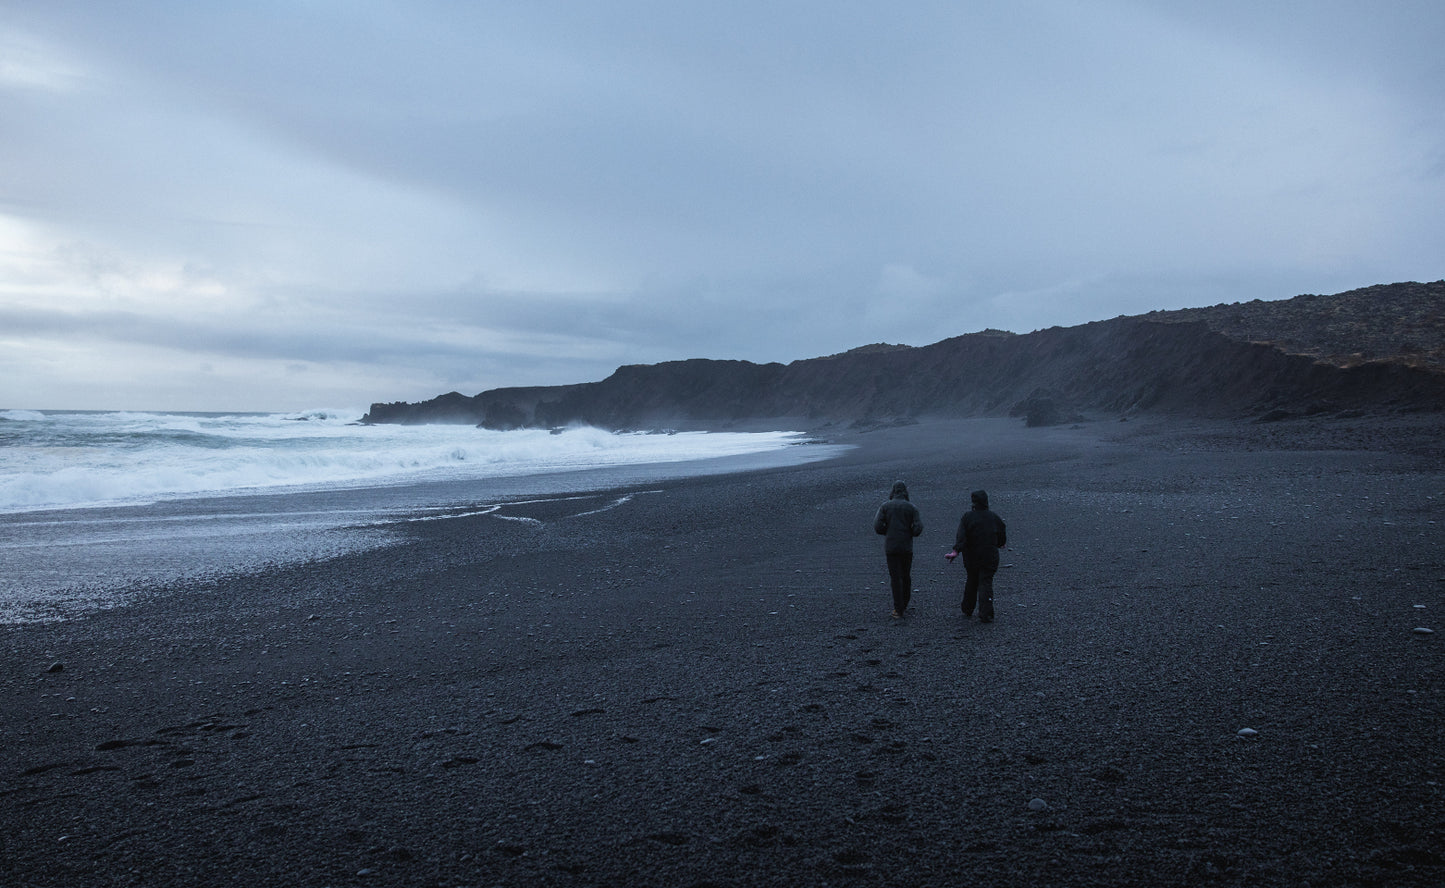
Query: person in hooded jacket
(899,521)
(981,533)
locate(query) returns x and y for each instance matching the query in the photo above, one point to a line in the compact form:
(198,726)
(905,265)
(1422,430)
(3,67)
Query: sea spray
(54,460)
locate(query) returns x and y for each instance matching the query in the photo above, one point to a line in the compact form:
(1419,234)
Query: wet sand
(697,682)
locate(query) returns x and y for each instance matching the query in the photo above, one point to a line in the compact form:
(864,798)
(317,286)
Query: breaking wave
(71,459)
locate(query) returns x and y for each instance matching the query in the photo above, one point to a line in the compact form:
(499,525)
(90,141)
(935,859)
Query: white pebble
(1247,732)
(1421,630)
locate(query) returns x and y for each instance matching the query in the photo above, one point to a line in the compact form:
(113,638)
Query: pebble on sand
(1038,805)
(1421,630)
(1248,732)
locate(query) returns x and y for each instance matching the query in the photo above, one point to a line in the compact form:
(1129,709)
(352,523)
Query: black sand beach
(701,685)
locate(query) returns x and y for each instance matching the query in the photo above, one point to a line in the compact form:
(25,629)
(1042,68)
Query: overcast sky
(323,203)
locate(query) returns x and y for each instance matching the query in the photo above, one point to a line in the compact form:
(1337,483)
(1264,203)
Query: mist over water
(94,506)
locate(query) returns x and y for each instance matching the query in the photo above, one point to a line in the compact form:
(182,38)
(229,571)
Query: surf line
(521,519)
(620,501)
(486,511)
(494,508)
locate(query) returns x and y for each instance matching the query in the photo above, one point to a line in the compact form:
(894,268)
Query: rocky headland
(1380,348)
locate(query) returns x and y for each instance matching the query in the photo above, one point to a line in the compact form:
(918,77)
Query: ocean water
(96,506)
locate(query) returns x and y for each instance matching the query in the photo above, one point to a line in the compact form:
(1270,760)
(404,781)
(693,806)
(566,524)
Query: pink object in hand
(950,556)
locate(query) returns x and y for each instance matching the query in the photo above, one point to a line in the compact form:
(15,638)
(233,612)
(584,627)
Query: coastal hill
(1380,348)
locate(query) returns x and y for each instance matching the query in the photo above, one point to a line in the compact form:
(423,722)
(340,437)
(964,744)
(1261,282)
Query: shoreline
(109,550)
(701,685)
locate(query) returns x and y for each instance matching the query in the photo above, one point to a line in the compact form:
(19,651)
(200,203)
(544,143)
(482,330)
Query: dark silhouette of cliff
(1380,348)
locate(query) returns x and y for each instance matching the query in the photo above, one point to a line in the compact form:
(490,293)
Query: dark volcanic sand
(702,686)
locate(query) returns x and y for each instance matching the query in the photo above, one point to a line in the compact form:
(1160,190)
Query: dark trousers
(900,575)
(978,589)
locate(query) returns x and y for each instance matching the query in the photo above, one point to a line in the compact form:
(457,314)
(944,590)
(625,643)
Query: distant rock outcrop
(1379,348)
(1393,323)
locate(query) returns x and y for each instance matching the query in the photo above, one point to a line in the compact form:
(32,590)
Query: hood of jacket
(900,491)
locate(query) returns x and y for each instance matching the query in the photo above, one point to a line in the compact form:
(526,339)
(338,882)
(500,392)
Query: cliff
(1379,348)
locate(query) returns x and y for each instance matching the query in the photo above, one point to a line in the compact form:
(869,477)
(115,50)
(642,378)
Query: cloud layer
(281,206)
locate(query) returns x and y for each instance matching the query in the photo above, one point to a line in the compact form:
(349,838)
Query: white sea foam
(22,415)
(60,460)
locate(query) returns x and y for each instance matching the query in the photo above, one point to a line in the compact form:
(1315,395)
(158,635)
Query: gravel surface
(1207,669)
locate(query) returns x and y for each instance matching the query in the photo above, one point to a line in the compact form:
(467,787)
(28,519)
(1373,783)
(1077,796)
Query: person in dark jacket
(981,533)
(898,521)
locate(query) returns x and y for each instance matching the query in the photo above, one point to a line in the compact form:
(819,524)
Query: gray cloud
(487,194)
